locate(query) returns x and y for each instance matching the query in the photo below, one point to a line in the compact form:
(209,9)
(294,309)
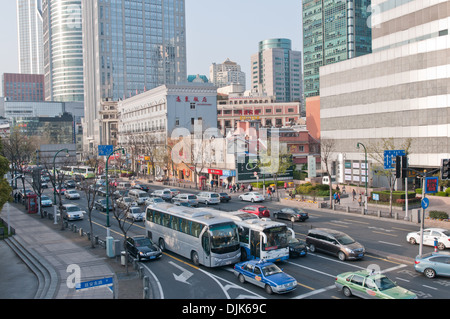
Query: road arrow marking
(184,276)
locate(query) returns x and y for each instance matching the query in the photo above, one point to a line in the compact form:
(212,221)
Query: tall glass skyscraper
(63,50)
(130,46)
(333,31)
(29,27)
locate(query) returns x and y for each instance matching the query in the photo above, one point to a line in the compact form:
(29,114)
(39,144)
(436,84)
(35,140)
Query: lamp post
(54,177)
(367,171)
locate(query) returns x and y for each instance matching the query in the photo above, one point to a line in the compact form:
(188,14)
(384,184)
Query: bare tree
(375,151)
(328,147)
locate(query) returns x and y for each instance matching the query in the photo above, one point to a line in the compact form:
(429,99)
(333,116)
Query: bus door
(255,244)
(206,245)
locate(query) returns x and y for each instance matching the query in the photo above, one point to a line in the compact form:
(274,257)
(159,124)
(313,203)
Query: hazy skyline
(215,31)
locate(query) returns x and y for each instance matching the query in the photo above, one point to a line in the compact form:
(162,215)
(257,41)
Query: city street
(176,277)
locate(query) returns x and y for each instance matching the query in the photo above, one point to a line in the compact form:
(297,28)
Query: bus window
(165,220)
(243,234)
(184,226)
(157,217)
(196,229)
(175,223)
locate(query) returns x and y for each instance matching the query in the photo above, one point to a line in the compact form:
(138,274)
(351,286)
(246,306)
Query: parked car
(136,214)
(297,248)
(125,202)
(292,214)
(258,210)
(368,284)
(208,198)
(46,201)
(101,191)
(224,197)
(139,196)
(164,194)
(266,275)
(142,247)
(142,187)
(72,212)
(173,191)
(100,204)
(433,264)
(72,194)
(154,200)
(252,197)
(190,199)
(429,235)
(335,243)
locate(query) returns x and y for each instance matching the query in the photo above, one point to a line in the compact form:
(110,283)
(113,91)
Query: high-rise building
(333,31)
(277,70)
(226,73)
(23,87)
(63,50)
(29,31)
(399,93)
(129,47)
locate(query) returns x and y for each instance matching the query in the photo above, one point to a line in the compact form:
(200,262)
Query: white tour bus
(194,233)
(260,238)
(84,171)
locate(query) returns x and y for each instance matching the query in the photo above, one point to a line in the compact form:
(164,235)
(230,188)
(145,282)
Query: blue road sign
(425,203)
(389,157)
(431,185)
(105,150)
(95,283)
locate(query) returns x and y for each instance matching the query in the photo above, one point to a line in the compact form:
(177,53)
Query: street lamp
(54,176)
(367,170)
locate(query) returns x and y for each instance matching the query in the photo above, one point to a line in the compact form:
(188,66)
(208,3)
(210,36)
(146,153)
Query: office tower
(276,70)
(63,50)
(23,87)
(130,47)
(333,31)
(29,31)
(399,92)
(226,73)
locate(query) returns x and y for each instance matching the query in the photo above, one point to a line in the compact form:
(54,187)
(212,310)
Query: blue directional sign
(95,283)
(389,157)
(425,203)
(105,150)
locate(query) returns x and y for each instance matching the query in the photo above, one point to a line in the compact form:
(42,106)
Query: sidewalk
(54,253)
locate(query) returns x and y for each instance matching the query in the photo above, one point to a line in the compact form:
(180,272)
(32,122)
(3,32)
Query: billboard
(248,170)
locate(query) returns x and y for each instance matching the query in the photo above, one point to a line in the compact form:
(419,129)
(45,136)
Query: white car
(173,192)
(252,197)
(71,194)
(441,235)
(191,199)
(135,213)
(154,200)
(72,212)
(126,202)
(46,201)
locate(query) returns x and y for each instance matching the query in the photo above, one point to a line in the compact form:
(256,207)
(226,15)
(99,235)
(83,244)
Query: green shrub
(444,194)
(438,214)
(448,191)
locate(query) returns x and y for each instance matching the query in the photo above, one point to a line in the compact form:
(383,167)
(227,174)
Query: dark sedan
(224,197)
(292,214)
(297,248)
(100,205)
(142,247)
(141,187)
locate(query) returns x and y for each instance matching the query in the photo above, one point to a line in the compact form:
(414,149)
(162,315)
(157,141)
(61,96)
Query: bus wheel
(195,259)
(162,245)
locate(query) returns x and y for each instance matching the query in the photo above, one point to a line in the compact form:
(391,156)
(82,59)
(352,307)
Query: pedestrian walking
(354,194)
(360,200)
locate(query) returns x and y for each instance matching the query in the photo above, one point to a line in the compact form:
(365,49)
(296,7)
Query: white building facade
(226,73)
(401,91)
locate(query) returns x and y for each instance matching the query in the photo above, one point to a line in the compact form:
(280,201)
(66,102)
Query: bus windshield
(277,237)
(224,238)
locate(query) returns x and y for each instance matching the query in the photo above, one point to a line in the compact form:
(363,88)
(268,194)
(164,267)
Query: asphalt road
(175,277)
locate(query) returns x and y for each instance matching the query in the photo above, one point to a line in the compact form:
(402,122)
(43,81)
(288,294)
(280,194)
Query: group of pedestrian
(233,188)
(360,202)
(270,191)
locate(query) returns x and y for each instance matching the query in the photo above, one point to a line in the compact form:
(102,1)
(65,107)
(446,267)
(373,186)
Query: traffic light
(445,172)
(404,166)
(398,166)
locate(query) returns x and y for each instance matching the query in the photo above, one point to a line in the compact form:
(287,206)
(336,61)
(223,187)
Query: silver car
(433,264)
(191,199)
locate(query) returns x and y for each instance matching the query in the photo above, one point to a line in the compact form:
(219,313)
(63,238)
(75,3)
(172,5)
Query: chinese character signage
(431,185)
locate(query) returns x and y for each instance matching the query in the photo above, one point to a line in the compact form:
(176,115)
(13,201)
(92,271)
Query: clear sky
(215,30)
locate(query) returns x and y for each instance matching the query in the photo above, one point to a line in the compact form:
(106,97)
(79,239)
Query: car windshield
(144,242)
(45,198)
(256,194)
(127,199)
(384,283)
(135,210)
(277,237)
(271,270)
(344,239)
(261,209)
(166,192)
(214,195)
(446,233)
(143,195)
(224,238)
(72,209)
(157,200)
(192,197)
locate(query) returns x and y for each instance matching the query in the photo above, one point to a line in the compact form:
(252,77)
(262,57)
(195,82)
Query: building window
(192,106)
